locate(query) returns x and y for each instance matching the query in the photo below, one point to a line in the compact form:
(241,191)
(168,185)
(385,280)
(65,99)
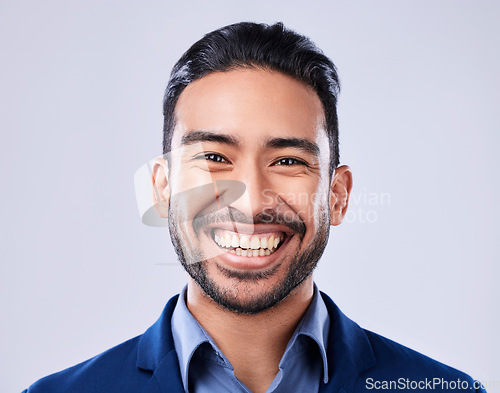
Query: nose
(259,194)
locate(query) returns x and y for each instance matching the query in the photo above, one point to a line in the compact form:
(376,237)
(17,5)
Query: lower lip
(238,262)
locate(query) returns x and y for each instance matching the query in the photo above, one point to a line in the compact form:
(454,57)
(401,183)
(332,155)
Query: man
(250,184)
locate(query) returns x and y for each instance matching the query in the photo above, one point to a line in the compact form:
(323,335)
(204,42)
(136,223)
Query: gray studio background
(80,98)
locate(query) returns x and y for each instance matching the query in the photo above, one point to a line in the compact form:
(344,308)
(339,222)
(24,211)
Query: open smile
(254,245)
(241,247)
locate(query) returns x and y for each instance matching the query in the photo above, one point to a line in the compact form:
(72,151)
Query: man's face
(265,130)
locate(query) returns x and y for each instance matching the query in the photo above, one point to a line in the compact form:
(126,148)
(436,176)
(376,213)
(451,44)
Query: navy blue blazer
(358,361)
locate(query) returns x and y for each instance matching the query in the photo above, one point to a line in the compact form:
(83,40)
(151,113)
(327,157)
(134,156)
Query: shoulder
(127,367)
(398,367)
(380,363)
(105,372)
(393,356)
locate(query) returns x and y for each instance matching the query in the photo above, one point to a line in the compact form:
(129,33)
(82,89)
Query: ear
(161,187)
(339,194)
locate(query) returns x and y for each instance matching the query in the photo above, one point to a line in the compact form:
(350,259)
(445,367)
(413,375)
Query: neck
(254,344)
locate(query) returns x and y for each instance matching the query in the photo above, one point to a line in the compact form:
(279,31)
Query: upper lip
(248,229)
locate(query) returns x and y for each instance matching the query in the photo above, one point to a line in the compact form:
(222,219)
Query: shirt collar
(188,334)
(349,350)
(315,324)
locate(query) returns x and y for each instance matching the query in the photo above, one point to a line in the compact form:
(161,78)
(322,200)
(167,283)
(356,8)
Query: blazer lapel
(166,376)
(349,351)
(156,354)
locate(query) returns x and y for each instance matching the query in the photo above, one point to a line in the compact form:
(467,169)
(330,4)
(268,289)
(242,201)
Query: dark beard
(301,267)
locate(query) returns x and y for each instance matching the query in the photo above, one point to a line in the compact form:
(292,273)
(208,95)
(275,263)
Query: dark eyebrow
(298,143)
(208,136)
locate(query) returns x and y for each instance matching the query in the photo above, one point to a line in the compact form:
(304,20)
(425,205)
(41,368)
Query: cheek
(192,190)
(321,205)
(308,199)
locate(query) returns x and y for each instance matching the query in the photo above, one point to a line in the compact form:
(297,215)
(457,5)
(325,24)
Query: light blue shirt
(205,369)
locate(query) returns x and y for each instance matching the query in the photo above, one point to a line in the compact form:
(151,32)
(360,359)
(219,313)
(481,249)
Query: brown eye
(215,158)
(289,161)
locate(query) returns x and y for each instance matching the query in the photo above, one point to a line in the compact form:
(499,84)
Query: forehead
(250,103)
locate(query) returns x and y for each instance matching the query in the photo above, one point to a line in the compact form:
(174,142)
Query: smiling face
(265,130)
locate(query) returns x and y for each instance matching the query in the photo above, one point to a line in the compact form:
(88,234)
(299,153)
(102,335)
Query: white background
(81,96)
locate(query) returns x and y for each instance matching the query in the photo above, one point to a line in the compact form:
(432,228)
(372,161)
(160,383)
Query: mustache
(233,215)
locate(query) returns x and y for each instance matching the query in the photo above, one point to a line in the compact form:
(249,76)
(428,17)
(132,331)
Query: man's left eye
(215,157)
(289,161)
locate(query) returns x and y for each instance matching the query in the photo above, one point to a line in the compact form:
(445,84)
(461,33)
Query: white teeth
(255,243)
(270,242)
(251,253)
(235,242)
(245,242)
(248,245)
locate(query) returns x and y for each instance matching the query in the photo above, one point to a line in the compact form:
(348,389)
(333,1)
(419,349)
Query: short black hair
(257,45)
